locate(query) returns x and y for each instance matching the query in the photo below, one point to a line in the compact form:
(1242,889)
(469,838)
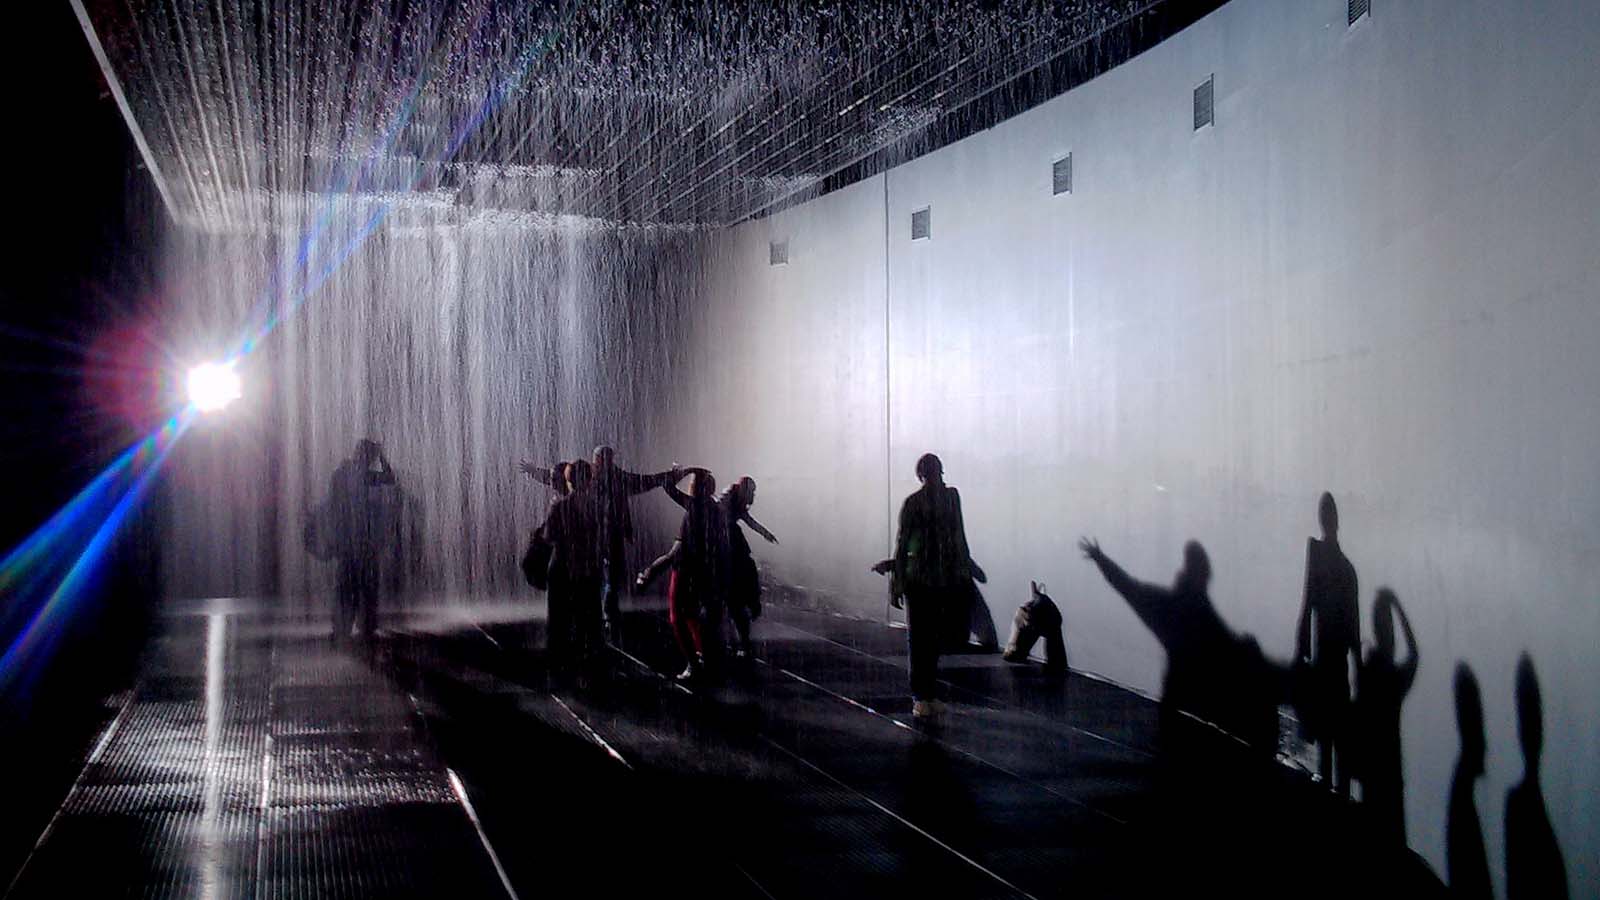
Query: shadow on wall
(1213,673)
(1223,678)
(1466,861)
(1534,865)
(1327,645)
(1382,683)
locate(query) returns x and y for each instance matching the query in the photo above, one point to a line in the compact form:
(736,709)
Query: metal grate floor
(255,761)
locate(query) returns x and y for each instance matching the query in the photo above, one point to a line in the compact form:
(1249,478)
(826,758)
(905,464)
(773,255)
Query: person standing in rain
(700,572)
(613,486)
(558,478)
(1328,640)
(573,530)
(359,539)
(743,595)
(933,573)
(744,588)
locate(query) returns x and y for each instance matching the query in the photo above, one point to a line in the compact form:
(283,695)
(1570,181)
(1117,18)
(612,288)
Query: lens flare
(213,386)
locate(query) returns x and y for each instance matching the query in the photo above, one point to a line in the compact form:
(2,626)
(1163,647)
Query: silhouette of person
(613,487)
(1212,673)
(933,573)
(967,622)
(560,479)
(1329,639)
(701,566)
(573,529)
(1534,866)
(557,477)
(1466,861)
(359,535)
(744,588)
(1382,683)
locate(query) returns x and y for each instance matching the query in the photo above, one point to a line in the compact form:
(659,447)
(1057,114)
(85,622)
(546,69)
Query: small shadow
(1467,863)
(1534,865)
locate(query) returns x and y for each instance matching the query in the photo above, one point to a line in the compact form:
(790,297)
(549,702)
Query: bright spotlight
(213,386)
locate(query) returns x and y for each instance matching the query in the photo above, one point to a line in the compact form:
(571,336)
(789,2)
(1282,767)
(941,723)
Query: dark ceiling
(663,112)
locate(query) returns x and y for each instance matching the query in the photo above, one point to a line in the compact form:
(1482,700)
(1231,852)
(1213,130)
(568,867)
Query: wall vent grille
(1061,176)
(778,253)
(1358,8)
(1202,102)
(922,224)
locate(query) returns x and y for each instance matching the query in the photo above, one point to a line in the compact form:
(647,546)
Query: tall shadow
(1382,683)
(1328,643)
(1466,861)
(1534,865)
(1212,673)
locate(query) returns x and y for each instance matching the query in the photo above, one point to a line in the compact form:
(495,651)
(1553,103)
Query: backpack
(536,560)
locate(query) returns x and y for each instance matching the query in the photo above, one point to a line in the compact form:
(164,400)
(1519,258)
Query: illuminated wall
(1374,274)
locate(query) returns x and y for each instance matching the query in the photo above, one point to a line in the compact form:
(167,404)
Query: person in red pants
(701,563)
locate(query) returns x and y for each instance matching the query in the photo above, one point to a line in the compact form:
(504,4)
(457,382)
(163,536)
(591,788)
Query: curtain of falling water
(499,307)
(463,349)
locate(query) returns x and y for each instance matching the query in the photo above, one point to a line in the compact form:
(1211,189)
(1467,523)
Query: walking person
(359,538)
(933,572)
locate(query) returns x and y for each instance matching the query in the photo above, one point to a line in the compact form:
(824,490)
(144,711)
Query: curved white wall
(1376,274)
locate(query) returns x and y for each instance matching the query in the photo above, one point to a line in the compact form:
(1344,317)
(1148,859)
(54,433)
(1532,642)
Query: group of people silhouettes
(1223,677)
(1348,705)
(713,571)
(584,536)
(1534,865)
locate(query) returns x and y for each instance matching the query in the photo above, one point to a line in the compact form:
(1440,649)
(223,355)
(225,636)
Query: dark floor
(255,759)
